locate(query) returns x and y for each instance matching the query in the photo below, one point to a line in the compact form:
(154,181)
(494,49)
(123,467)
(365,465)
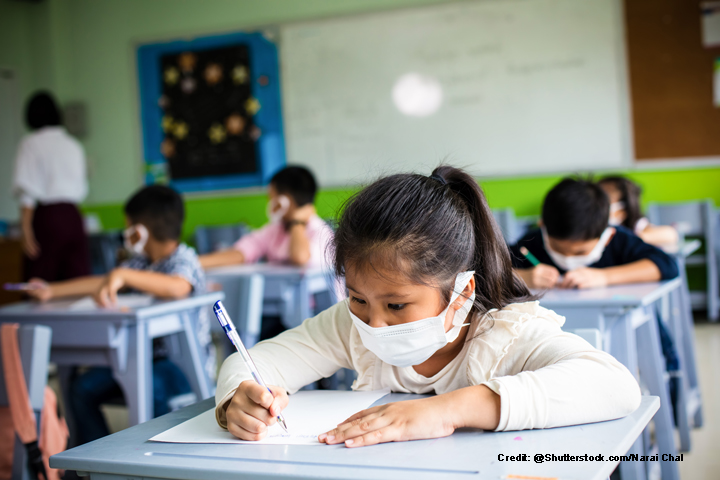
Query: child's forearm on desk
(77,286)
(474,407)
(157,284)
(636,272)
(299,245)
(219,259)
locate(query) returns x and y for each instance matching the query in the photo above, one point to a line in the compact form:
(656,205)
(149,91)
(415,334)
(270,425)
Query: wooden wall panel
(671,77)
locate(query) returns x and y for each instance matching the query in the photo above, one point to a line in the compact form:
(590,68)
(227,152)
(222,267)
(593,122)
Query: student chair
(34,346)
(104,249)
(212,239)
(505,217)
(698,219)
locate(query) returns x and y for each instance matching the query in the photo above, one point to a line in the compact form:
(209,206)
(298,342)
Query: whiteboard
(527,86)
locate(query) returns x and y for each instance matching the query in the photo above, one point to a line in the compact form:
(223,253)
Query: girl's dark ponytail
(496,285)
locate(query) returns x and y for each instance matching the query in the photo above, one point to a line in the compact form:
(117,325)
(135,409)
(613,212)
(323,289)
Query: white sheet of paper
(124,301)
(308,414)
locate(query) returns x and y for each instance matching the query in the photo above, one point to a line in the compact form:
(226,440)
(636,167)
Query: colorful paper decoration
(235,124)
(239,75)
(217,133)
(187,62)
(180,130)
(171,76)
(213,74)
(167,148)
(252,106)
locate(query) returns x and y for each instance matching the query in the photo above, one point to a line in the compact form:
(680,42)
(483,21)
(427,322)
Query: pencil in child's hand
(530,256)
(20,286)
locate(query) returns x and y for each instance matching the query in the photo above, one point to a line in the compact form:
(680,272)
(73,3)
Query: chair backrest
(211,239)
(34,343)
(694,219)
(590,335)
(505,217)
(104,251)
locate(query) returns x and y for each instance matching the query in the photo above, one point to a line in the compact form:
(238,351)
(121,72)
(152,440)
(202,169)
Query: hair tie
(438,178)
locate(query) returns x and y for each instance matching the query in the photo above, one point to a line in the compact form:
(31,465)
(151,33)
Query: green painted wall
(524,195)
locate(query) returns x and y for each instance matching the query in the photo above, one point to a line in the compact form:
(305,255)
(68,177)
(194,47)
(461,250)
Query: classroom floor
(703,463)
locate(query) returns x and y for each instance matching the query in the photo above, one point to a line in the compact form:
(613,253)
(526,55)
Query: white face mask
(413,343)
(578,261)
(139,247)
(276,216)
(615,209)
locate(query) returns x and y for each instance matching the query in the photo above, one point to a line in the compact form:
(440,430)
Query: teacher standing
(50,180)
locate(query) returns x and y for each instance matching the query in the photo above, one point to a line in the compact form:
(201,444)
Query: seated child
(625,210)
(295,233)
(434,307)
(160,266)
(575,241)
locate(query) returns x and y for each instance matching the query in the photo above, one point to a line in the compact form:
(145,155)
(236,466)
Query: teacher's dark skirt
(64,253)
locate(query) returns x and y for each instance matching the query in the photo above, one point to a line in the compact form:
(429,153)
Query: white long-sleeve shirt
(50,168)
(545,377)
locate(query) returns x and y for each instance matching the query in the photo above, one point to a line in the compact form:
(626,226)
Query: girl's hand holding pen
(252,410)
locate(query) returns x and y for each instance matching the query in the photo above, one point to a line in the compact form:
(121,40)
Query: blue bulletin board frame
(270,147)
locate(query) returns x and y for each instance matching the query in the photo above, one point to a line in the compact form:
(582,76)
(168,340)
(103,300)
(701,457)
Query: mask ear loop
(463,280)
(143,232)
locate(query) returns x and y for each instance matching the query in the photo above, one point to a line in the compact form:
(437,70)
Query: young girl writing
(433,307)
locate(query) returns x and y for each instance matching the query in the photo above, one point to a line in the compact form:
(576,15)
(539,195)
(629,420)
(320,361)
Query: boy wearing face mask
(159,265)
(577,248)
(295,234)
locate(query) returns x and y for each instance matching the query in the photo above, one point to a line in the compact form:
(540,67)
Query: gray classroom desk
(271,289)
(123,341)
(625,316)
(128,455)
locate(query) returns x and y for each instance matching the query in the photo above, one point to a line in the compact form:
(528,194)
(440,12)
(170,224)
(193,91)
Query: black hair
(630,196)
(296,181)
(576,209)
(42,111)
(429,229)
(160,209)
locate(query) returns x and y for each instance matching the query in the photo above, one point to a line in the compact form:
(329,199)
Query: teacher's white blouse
(545,377)
(50,168)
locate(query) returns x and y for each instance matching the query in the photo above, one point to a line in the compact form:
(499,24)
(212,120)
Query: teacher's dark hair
(42,111)
(429,229)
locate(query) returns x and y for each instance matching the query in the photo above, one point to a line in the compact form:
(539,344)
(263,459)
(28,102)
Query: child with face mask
(295,234)
(159,265)
(575,241)
(624,195)
(433,307)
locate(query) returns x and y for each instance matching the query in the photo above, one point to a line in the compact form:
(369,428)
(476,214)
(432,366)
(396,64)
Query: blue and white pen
(232,334)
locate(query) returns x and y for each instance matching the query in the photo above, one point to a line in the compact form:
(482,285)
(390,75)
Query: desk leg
(250,305)
(652,368)
(673,320)
(136,379)
(192,358)
(621,345)
(682,311)
(65,376)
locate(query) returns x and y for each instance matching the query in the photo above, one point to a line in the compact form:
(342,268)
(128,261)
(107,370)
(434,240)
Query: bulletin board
(211,112)
(671,81)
